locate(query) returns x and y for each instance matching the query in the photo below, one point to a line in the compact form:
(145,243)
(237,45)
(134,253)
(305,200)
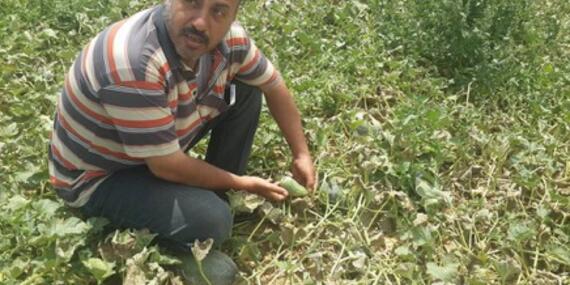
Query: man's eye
(220,12)
(192,2)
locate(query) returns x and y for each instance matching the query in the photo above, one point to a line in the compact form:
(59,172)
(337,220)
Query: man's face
(197,26)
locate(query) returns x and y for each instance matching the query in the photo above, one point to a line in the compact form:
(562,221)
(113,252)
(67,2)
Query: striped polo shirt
(128,96)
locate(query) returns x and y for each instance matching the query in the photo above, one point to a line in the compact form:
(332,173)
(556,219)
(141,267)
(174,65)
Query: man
(142,93)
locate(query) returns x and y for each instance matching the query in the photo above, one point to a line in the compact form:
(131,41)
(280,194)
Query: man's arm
(285,112)
(181,168)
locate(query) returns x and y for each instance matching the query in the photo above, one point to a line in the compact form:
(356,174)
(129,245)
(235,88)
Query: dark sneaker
(219,268)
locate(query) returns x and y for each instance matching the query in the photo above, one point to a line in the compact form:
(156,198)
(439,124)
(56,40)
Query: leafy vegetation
(441,132)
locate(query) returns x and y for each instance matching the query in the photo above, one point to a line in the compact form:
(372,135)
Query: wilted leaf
(431,195)
(332,190)
(136,273)
(65,248)
(241,201)
(359,260)
(287,233)
(123,238)
(274,215)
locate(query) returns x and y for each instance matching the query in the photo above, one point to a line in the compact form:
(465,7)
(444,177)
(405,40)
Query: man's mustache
(191,31)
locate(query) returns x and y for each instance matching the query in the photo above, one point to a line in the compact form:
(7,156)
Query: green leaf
(97,224)
(46,207)
(17,267)
(15,203)
(447,273)
(520,232)
(560,254)
(162,259)
(99,268)
(403,251)
(69,226)
(143,238)
(508,269)
(422,236)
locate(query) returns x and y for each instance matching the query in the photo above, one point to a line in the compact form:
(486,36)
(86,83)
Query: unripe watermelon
(295,189)
(218,268)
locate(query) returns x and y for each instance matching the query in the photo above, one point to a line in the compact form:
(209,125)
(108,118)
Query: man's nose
(199,20)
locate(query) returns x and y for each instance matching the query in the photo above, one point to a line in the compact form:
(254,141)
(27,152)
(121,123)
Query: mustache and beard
(195,34)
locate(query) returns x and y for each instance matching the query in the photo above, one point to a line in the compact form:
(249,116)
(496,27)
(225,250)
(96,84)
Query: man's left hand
(304,171)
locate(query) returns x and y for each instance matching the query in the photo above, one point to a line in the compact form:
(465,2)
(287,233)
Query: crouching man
(146,90)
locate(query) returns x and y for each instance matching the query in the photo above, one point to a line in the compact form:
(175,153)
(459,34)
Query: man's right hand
(264,188)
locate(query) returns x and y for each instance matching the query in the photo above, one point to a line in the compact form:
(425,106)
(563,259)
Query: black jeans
(180,214)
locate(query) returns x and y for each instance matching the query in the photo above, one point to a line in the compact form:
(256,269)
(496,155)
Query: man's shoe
(219,268)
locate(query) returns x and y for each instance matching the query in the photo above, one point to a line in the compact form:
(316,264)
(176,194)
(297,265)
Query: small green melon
(218,268)
(295,189)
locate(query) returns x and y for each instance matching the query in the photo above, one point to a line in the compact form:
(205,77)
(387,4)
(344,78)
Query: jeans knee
(212,219)
(218,222)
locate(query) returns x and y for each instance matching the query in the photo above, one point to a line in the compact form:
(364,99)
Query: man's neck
(191,65)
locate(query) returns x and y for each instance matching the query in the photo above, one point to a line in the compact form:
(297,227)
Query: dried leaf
(420,219)
(200,249)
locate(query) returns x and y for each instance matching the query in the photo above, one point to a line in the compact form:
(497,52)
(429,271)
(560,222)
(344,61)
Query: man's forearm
(181,168)
(286,114)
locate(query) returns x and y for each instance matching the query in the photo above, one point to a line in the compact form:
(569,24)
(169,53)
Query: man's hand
(304,171)
(263,188)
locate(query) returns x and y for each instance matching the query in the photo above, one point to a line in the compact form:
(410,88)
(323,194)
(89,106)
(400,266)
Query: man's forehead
(230,3)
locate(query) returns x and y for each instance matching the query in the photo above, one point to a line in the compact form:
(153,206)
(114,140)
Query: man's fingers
(277,193)
(275,196)
(281,191)
(311,184)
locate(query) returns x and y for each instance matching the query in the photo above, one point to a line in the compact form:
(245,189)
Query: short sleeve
(256,69)
(140,113)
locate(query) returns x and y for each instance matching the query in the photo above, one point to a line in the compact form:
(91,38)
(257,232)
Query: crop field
(440,132)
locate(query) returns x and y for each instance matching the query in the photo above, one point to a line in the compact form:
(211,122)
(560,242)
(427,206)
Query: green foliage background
(440,129)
